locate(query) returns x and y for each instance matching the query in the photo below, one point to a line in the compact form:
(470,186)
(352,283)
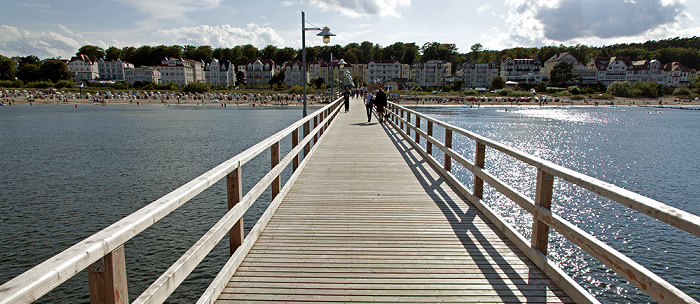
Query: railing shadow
(462,220)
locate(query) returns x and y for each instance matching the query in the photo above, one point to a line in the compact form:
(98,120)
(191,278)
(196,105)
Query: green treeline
(31,69)
(684,50)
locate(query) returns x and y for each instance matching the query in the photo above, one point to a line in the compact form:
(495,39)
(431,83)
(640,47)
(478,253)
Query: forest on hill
(683,50)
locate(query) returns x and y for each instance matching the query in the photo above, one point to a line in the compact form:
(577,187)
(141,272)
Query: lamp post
(326,34)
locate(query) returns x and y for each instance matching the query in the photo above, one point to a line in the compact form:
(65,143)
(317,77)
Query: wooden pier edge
(558,276)
(222,278)
(645,280)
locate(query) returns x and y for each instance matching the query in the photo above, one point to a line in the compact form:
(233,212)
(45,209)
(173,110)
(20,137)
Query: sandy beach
(295,100)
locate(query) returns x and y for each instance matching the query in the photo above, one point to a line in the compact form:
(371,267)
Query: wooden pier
(368,220)
(367,216)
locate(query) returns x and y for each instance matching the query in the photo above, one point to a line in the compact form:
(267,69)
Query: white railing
(540,207)
(103,252)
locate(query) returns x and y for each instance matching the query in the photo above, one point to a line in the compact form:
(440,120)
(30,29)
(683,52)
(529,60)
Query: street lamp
(332,78)
(326,33)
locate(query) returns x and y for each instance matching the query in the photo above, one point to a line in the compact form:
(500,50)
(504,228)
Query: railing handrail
(543,218)
(675,217)
(39,280)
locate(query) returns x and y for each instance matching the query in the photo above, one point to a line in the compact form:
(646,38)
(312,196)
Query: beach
(283,99)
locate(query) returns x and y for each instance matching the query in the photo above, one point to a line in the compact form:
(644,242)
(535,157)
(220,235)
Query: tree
(240,78)
(29,72)
(476,48)
(562,74)
(498,83)
(8,68)
(278,78)
(91,50)
(54,70)
(113,53)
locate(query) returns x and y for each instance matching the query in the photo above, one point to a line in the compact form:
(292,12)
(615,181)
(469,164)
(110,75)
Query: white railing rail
(540,207)
(103,253)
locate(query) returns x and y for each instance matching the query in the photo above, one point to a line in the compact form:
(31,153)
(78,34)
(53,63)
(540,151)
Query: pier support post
(479,160)
(417,127)
(295,143)
(274,160)
(315,126)
(107,279)
(428,144)
(307,130)
(543,198)
(448,144)
(234,186)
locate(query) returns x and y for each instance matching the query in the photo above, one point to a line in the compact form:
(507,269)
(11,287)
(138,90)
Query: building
(259,71)
(181,71)
(359,73)
(293,74)
(611,69)
(142,74)
(433,73)
(648,71)
(112,70)
(477,75)
(220,73)
(559,58)
(83,67)
(380,70)
(523,70)
(676,74)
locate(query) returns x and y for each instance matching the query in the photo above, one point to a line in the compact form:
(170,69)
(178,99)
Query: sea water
(651,151)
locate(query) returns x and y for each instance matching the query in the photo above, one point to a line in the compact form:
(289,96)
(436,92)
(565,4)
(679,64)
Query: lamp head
(326,33)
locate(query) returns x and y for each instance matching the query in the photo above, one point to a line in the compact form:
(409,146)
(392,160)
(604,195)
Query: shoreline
(664,102)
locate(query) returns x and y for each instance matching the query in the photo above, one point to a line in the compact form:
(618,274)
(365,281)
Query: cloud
(564,20)
(222,35)
(360,8)
(171,9)
(15,42)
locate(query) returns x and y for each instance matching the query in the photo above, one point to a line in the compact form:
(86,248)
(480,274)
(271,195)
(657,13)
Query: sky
(57,28)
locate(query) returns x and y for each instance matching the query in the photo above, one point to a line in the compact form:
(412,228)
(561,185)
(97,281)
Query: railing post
(480,157)
(307,129)
(408,124)
(401,121)
(315,126)
(234,186)
(107,279)
(543,198)
(274,160)
(448,144)
(429,145)
(295,143)
(417,128)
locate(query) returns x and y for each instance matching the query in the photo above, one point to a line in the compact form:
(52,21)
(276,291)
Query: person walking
(380,102)
(369,99)
(346,99)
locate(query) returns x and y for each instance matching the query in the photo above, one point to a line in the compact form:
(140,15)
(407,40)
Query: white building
(611,69)
(83,67)
(477,75)
(293,75)
(380,70)
(523,70)
(181,71)
(433,73)
(676,74)
(112,70)
(142,74)
(220,73)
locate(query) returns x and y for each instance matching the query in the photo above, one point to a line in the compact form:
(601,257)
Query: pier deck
(369,220)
